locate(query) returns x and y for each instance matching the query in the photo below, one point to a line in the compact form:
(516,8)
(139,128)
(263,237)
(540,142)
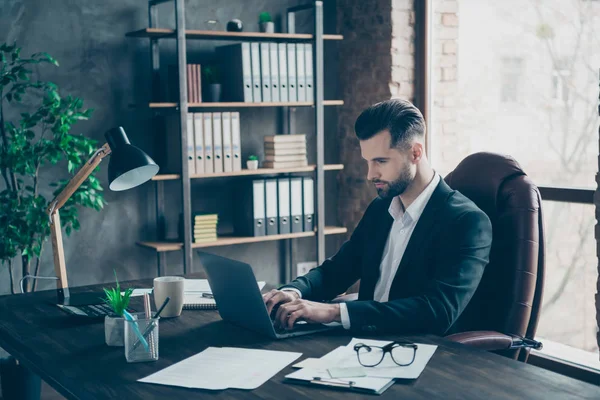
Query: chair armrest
(492,340)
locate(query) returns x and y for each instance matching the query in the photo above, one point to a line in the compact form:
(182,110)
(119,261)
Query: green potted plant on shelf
(212,83)
(252,162)
(266,22)
(114,325)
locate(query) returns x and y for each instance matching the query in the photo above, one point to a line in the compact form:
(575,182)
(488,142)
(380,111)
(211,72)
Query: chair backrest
(508,299)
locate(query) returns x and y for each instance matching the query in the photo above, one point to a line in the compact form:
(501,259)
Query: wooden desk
(70,355)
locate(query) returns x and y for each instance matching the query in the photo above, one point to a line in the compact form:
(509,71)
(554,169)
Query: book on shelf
(285,146)
(286,152)
(298,138)
(284,164)
(193,83)
(285,158)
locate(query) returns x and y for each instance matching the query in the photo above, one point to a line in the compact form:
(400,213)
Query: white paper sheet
(219,368)
(202,286)
(139,292)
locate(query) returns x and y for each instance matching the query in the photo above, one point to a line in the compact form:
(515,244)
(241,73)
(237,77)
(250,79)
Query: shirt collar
(416,208)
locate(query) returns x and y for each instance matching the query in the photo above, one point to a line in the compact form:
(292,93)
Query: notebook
(198,296)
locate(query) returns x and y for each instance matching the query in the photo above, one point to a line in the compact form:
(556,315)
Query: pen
(150,325)
(208,295)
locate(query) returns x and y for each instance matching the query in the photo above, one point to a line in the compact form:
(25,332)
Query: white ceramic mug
(169,286)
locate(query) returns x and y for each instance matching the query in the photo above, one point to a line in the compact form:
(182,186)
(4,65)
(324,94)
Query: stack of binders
(267,72)
(285,151)
(205,228)
(276,206)
(213,143)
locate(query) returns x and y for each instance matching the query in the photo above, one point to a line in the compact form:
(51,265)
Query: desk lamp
(128,167)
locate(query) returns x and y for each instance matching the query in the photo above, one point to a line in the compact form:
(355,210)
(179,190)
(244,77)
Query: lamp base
(81,299)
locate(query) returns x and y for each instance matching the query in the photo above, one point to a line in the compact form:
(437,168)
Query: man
(419,250)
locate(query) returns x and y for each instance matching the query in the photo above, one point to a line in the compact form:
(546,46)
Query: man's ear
(417,152)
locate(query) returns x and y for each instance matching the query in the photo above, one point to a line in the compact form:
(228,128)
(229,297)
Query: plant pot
(267,27)
(252,164)
(18,382)
(114,331)
(213,93)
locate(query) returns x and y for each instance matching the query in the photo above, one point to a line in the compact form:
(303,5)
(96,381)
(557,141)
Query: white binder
(209,166)
(255,60)
(308,69)
(236,145)
(284,205)
(272,225)
(190,144)
(199,142)
(247,72)
(283,84)
(258,207)
(265,72)
(301,73)
(296,218)
(227,156)
(309,204)
(274,72)
(291,61)
(217,142)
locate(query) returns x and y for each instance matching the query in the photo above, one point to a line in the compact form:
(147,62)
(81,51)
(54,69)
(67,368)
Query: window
(512,70)
(516,62)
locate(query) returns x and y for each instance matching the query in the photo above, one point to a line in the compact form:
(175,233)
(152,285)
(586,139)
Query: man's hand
(305,310)
(275,297)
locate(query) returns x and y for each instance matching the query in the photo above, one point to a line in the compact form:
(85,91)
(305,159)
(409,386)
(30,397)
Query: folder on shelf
(283,187)
(274,67)
(190,144)
(256,84)
(209,167)
(199,143)
(265,72)
(217,142)
(236,146)
(308,204)
(308,70)
(301,73)
(296,219)
(272,226)
(283,85)
(250,210)
(227,157)
(189,81)
(237,71)
(291,64)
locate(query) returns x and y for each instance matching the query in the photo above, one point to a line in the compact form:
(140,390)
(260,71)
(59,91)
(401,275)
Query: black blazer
(438,274)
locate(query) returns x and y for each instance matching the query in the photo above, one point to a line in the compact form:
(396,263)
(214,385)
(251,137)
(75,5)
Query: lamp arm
(62,284)
(83,173)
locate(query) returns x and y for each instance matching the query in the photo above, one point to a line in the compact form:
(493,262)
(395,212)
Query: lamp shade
(128,166)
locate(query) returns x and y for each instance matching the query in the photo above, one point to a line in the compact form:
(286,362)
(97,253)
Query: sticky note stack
(205,228)
(285,151)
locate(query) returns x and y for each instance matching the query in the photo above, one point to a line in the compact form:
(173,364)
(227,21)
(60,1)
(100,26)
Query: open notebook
(197,295)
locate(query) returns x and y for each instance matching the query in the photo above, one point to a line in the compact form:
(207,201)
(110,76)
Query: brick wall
(376,63)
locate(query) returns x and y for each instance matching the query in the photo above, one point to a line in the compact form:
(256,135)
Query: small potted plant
(114,325)
(266,22)
(212,83)
(252,162)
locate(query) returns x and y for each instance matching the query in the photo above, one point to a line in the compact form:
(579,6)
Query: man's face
(390,169)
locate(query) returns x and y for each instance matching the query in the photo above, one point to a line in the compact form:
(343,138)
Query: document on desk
(218,368)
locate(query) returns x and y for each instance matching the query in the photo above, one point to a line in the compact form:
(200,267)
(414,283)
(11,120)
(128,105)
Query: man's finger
(284,312)
(293,317)
(268,295)
(272,302)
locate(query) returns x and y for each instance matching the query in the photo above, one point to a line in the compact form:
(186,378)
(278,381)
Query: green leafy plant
(264,17)
(211,74)
(253,158)
(116,300)
(39,138)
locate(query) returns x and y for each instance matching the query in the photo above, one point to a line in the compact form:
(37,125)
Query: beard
(395,187)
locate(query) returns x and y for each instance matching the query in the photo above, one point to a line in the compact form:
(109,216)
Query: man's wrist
(336,314)
(293,291)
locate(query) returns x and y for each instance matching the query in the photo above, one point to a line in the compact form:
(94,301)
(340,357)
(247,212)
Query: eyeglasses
(402,353)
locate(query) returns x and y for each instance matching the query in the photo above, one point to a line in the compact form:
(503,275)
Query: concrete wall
(111,72)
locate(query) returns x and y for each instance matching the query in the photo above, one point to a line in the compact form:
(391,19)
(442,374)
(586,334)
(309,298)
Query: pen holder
(135,351)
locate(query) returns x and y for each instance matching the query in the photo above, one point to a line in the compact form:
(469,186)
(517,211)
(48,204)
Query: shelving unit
(181,34)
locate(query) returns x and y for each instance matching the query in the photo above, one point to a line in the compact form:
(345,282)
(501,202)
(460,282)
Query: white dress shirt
(400,233)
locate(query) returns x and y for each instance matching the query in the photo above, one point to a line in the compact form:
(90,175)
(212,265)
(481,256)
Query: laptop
(240,302)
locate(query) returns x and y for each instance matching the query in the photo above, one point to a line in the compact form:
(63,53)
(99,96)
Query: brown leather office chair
(503,314)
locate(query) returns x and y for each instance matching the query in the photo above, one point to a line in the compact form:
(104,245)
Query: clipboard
(309,376)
